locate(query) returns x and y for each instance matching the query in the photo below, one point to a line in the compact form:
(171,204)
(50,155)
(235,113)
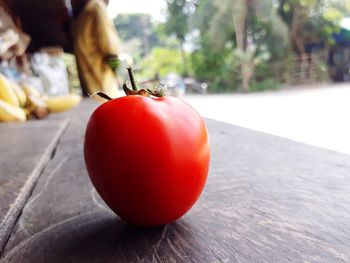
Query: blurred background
(277,66)
(237,45)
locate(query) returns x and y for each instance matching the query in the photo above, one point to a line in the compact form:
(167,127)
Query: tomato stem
(132,79)
(159,91)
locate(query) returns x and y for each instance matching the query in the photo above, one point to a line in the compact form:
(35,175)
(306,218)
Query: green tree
(242,26)
(176,24)
(249,40)
(242,15)
(161,61)
(312,20)
(138,33)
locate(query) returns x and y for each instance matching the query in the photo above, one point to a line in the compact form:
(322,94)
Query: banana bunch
(21,103)
(9,102)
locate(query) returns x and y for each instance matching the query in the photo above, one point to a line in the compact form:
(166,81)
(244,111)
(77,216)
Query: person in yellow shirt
(96,47)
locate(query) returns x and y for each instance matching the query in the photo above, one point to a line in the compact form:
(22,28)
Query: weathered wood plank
(25,150)
(267,199)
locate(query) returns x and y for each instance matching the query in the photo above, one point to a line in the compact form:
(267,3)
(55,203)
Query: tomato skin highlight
(147,157)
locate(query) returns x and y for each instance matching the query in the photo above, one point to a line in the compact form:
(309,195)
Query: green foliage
(214,57)
(177,19)
(133,25)
(267,29)
(318,19)
(212,60)
(138,33)
(266,84)
(161,61)
(218,68)
(178,12)
(202,17)
(164,39)
(274,45)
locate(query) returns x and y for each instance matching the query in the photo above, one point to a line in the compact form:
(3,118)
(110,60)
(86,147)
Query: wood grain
(267,199)
(25,152)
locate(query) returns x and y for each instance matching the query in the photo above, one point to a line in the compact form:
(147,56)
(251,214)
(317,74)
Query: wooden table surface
(267,199)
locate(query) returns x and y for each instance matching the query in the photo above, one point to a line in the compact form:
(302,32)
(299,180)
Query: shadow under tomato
(102,237)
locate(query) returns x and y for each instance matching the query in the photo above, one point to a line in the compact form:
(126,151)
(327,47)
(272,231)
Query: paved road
(317,115)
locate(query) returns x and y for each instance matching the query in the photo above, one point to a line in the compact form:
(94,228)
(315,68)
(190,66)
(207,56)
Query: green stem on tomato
(132,79)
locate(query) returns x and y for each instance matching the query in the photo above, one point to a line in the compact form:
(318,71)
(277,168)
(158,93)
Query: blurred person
(96,47)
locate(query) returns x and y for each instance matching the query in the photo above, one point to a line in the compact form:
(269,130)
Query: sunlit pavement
(316,115)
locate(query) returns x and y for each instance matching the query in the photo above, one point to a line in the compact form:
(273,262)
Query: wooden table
(267,199)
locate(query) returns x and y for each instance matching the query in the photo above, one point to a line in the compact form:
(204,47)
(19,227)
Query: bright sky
(152,7)
(345,23)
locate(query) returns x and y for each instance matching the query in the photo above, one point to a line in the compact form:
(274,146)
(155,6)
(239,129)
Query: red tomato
(147,157)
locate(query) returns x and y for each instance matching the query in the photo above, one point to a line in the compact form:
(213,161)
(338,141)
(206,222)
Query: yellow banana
(36,107)
(9,112)
(63,102)
(21,96)
(29,90)
(7,93)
